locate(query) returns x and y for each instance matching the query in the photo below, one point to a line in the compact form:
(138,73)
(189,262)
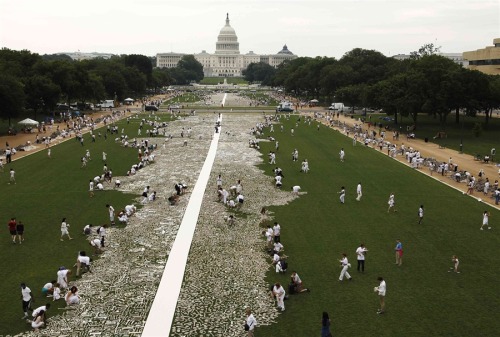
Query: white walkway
(162,311)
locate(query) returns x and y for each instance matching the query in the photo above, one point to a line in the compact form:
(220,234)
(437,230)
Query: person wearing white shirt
(91,188)
(26,295)
(279,292)
(359,192)
(277,232)
(130,209)
(82,262)
(111,211)
(278,247)
(381,290)
(360,252)
(64,229)
(62,277)
(486,216)
(420,214)
(100,187)
(296,189)
(251,322)
(342,154)
(344,263)
(391,203)
(278,181)
(342,195)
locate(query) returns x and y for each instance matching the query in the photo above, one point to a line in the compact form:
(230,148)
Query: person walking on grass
(342,195)
(26,298)
(64,229)
(381,290)
(359,192)
(360,252)
(342,154)
(12,224)
(391,203)
(344,263)
(399,252)
(111,211)
(325,325)
(486,219)
(420,214)
(20,231)
(454,260)
(91,188)
(12,176)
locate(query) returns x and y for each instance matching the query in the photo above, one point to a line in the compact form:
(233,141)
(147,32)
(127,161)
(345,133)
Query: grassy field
(46,191)
(423,298)
(189,97)
(220,80)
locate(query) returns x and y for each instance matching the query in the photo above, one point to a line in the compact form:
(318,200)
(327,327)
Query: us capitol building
(227,60)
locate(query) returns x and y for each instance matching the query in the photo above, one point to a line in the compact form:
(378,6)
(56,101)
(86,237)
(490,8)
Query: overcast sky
(309,27)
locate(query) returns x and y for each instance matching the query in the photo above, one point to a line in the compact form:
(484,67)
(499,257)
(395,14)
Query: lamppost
(462,133)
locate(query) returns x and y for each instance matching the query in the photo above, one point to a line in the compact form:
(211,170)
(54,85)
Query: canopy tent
(314,101)
(28,122)
(129,100)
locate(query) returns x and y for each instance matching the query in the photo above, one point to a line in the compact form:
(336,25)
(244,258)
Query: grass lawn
(189,97)
(423,298)
(46,191)
(220,80)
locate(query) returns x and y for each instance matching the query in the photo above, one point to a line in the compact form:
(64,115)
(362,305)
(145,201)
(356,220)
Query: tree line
(424,83)
(29,81)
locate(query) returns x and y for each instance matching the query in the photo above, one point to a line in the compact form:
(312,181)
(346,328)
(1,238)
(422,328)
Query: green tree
(259,72)
(41,93)
(192,69)
(12,98)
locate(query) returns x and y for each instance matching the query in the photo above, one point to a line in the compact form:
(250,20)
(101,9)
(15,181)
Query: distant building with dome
(227,60)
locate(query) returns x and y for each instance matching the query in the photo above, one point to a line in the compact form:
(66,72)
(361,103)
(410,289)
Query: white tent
(28,122)
(129,100)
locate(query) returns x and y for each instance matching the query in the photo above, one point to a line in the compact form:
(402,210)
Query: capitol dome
(227,41)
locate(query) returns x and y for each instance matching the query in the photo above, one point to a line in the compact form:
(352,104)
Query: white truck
(337,107)
(285,107)
(109,103)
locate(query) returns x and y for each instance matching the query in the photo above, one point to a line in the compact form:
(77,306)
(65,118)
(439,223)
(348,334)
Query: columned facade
(227,60)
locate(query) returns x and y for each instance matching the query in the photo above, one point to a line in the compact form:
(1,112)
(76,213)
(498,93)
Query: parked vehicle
(109,103)
(337,107)
(285,107)
(151,108)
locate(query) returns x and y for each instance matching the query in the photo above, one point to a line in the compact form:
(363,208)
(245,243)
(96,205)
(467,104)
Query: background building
(227,60)
(455,57)
(486,60)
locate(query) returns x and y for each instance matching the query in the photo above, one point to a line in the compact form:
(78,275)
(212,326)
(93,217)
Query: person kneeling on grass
(296,285)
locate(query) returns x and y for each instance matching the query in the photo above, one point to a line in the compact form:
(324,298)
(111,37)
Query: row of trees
(35,82)
(424,83)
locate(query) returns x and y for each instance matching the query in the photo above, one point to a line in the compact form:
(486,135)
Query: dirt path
(464,161)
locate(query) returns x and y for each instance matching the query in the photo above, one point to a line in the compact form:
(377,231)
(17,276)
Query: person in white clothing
(342,154)
(277,232)
(420,214)
(62,277)
(64,229)
(344,263)
(251,322)
(111,211)
(91,188)
(486,216)
(359,192)
(279,293)
(342,195)
(278,181)
(360,252)
(82,262)
(296,190)
(391,203)
(454,260)
(381,290)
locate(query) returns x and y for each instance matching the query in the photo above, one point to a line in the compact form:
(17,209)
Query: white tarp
(29,121)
